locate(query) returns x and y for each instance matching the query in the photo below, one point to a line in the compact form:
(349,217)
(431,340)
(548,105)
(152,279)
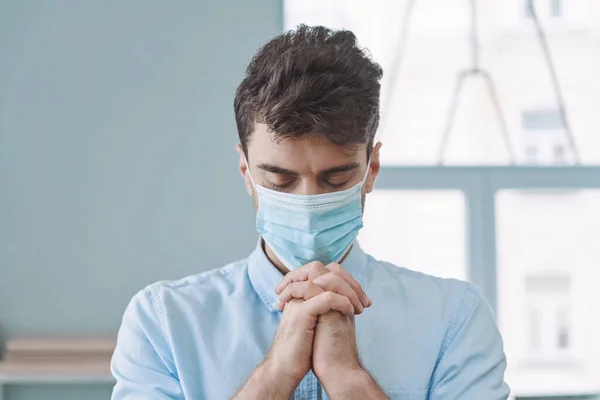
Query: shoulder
(441,305)
(163,308)
(451,294)
(157,300)
(455,312)
(215,280)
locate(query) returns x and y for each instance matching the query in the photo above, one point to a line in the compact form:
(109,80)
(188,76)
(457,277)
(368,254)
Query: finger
(307,272)
(328,301)
(281,306)
(349,279)
(299,290)
(332,282)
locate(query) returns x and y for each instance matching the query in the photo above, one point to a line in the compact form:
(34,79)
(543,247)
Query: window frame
(480,184)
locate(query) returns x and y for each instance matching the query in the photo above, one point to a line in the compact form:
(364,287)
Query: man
(281,324)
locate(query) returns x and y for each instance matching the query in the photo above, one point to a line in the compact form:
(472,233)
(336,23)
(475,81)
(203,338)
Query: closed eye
(279,187)
(337,185)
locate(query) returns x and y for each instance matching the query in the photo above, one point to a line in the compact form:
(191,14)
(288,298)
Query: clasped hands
(317,329)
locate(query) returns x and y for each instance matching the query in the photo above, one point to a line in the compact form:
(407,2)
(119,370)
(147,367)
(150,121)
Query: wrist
(274,372)
(334,372)
(334,378)
(266,382)
(353,382)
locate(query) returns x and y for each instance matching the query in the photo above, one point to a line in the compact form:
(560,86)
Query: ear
(374,168)
(243,167)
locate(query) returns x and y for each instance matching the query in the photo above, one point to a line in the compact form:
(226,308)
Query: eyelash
(337,185)
(286,185)
(280,187)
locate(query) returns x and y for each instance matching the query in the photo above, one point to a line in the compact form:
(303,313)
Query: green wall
(117,161)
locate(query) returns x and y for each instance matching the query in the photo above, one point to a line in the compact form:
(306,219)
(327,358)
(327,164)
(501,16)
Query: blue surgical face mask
(300,229)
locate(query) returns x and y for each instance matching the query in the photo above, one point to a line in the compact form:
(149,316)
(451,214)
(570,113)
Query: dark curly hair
(312,80)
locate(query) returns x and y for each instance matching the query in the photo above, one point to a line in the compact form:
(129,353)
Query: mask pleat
(305,228)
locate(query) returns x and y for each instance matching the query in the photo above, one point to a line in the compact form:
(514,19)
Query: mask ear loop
(345,253)
(364,179)
(249,174)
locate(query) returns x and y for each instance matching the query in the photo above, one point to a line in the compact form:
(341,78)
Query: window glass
(419,230)
(548,249)
(424,46)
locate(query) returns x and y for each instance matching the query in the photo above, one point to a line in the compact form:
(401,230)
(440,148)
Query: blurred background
(118,168)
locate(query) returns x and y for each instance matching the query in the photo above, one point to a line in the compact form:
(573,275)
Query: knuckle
(329,296)
(298,287)
(284,295)
(290,291)
(316,266)
(328,277)
(334,267)
(293,305)
(336,280)
(355,285)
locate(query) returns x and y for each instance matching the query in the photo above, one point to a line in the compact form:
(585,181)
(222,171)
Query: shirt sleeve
(142,363)
(472,362)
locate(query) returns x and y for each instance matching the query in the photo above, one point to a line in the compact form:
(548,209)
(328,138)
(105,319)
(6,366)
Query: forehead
(312,152)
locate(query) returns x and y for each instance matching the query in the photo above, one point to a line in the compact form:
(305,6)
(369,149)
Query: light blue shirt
(202,336)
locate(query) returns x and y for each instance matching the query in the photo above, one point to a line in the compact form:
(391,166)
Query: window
(548,241)
(535,120)
(552,8)
(548,298)
(505,227)
(423,60)
(535,329)
(559,154)
(403,227)
(531,154)
(555,8)
(563,329)
(544,130)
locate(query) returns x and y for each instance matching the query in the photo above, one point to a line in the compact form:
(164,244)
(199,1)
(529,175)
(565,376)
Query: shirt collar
(264,277)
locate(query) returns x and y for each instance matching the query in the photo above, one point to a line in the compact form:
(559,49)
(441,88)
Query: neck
(273,258)
(277,262)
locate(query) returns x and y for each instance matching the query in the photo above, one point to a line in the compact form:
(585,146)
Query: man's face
(307,165)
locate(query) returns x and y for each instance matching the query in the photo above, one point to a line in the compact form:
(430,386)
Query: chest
(213,362)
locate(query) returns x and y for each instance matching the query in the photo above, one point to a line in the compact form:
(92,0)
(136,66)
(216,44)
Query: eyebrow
(341,168)
(283,171)
(277,170)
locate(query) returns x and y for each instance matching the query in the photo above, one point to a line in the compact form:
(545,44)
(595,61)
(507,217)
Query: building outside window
(543,130)
(531,154)
(549,305)
(551,8)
